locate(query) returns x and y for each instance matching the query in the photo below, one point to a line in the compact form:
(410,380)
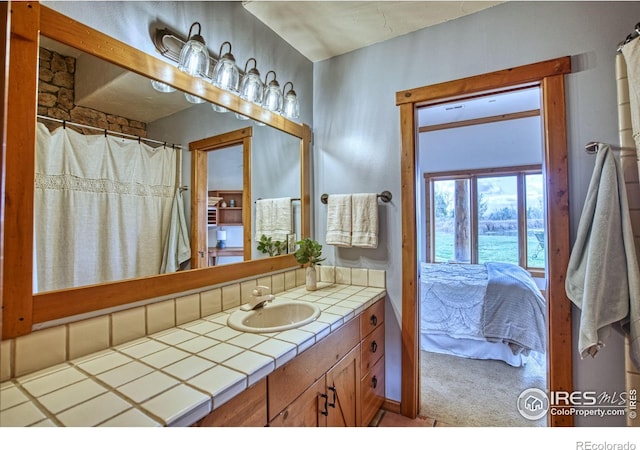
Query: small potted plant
(309,254)
(271,247)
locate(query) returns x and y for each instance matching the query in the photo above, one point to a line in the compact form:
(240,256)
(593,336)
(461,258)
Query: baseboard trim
(391,406)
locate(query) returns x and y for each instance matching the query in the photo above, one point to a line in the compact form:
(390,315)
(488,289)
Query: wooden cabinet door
(343,389)
(305,411)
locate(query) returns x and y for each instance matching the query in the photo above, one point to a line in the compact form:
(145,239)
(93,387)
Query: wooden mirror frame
(21,308)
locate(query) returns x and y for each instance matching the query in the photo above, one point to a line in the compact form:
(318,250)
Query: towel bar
(384,195)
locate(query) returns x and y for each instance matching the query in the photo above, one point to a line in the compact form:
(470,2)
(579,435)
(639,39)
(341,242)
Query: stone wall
(56,99)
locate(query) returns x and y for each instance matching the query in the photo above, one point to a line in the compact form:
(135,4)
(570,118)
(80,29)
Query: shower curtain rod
(630,37)
(119,134)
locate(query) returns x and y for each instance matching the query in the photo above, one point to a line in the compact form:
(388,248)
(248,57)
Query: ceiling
(321,30)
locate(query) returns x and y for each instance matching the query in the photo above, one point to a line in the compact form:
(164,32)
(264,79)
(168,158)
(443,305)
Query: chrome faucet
(259,297)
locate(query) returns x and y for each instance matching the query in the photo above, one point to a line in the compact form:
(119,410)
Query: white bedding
(452,302)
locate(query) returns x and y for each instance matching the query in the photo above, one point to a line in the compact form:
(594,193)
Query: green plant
(309,252)
(273,248)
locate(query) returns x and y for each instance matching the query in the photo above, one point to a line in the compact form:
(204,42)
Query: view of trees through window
(477,218)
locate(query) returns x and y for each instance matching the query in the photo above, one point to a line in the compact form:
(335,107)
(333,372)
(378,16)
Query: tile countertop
(176,376)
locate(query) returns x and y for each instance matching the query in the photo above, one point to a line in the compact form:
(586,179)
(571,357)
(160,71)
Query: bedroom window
(487,215)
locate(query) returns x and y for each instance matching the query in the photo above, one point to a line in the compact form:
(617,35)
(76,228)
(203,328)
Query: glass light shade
(291,108)
(194,57)
(241,117)
(251,87)
(273,97)
(193,98)
(226,74)
(218,108)
(162,87)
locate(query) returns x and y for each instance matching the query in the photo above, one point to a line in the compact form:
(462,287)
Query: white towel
(339,220)
(364,220)
(264,218)
(603,278)
(177,248)
(274,218)
(282,219)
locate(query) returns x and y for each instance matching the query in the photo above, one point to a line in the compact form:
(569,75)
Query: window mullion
(522,220)
(473,193)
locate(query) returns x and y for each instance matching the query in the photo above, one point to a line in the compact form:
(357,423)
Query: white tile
(40,349)
(22,415)
(165,357)
(221,352)
(346,313)
(143,348)
(377,278)
(221,383)
(281,351)
(173,337)
(11,396)
(189,367)
(256,366)
(247,340)
(201,326)
(187,308)
(210,302)
(6,359)
(197,345)
(44,423)
(359,277)
(350,304)
(128,325)
(224,334)
(328,301)
(51,381)
(89,336)
(320,329)
(72,395)
(277,283)
(302,339)
(221,318)
(331,319)
(94,411)
(147,386)
(177,404)
(343,275)
(104,362)
(231,296)
(124,374)
(161,316)
(131,418)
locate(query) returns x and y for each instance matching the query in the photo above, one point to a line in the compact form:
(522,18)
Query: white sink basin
(275,316)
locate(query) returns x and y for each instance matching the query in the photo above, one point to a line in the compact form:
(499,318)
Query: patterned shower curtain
(102,208)
(628,88)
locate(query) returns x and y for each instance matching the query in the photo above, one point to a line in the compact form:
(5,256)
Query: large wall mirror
(114,79)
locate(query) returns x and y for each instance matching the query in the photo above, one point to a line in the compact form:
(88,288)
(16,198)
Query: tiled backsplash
(54,345)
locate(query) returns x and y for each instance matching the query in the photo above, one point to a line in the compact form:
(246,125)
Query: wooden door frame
(199,178)
(549,75)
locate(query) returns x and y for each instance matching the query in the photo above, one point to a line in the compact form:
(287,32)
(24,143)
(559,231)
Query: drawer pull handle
(326,410)
(374,320)
(374,382)
(374,347)
(333,389)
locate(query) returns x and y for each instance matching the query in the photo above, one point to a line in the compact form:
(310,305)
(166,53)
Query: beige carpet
(476,393)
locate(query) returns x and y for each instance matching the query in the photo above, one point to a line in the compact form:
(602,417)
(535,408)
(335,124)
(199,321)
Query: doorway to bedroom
(481,218)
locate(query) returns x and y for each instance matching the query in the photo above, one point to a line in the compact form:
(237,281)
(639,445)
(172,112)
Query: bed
(482,311)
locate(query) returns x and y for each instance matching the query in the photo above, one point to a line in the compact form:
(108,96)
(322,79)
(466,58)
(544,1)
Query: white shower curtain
(628,84)
(102,208)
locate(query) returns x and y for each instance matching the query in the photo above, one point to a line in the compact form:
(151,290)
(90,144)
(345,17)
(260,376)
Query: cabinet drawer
(289,381)
(248,409)
(372,389)
(372,349)
(306,410)
(371,318)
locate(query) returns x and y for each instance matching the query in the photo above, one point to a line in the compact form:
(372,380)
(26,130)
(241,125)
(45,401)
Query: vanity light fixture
(225,73)
(290,107)
(272,95)
(194,56)
(194,59)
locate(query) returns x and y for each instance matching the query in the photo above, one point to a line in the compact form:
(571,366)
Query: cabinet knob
(374,382)
(374,347)
(374,320)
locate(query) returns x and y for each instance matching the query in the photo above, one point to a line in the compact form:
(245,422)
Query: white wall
(357,139)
